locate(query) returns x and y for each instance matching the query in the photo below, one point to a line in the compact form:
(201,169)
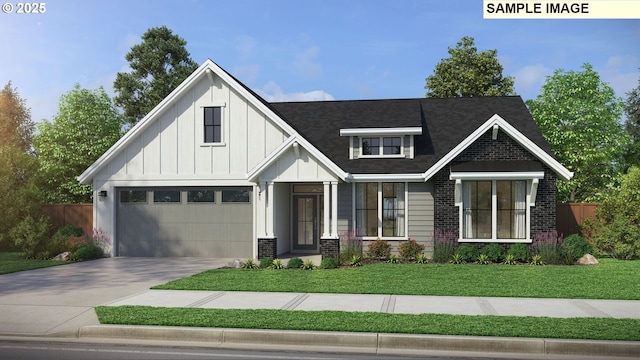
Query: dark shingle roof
(445,123)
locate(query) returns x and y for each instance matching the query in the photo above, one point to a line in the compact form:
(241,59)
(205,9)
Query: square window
(370,146)
(391,146)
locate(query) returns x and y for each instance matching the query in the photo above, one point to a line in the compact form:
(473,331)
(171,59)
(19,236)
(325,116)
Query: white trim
(200,122)
(562,172)
(334,209)
(412,150)
(381,148)
(350,147)
(385,177)
(381,131)
(326,231)
(488,175)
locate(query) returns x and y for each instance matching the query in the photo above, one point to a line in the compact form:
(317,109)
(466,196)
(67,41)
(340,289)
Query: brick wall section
(267,248)
(504,148)
(329,248)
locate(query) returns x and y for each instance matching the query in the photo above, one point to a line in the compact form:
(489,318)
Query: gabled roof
(448,127)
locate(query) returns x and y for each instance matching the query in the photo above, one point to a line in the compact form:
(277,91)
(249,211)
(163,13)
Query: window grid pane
(477,210)
(367,209)
(370,146)
(212,125)
(391,145)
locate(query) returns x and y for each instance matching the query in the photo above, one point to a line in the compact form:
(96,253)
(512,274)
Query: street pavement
(59,301)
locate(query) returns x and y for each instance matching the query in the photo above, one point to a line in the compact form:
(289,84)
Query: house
(214,170)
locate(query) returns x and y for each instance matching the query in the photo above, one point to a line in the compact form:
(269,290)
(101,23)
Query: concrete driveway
(58,300)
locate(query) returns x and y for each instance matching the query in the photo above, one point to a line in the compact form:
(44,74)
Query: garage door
(202,222)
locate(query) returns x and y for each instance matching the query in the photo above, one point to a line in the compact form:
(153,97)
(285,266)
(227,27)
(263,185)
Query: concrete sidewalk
(399,304)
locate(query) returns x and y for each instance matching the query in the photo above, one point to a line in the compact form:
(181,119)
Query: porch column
(325,216)
(334,209)
(270,210)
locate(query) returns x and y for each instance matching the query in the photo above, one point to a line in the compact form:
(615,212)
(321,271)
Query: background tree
(469,73)
(17,162)
(158,65)
(86,126)
(632,126)
(579,115)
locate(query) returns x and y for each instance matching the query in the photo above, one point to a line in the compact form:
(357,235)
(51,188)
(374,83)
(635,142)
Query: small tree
(86,126)
(468,72)
(579,115)
(632,126)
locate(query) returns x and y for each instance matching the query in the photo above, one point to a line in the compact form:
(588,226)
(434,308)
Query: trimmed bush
(30,236)
(467,252)
(69,231)
(379,249)
(294,263)
(409,250)
(494,252)
(574,247)
(89,251)
(520,252)
(266,263)
(328,263)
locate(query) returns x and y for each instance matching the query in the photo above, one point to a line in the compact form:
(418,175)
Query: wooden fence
(80,215)
(570,216)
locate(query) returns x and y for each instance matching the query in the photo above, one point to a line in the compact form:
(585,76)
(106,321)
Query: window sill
(494,240)
(400,156)
(389,238)
(212,144)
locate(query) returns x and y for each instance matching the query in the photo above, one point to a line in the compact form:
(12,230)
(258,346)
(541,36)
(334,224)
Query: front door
(307,215)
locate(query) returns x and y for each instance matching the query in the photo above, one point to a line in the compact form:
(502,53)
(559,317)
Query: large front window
(380,209)
(494,209)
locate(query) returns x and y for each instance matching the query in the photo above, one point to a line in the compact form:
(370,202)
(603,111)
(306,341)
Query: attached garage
(199,222)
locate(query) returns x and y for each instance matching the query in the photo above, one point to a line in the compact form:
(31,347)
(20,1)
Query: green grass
(13,262)
(503,326)
(612,279)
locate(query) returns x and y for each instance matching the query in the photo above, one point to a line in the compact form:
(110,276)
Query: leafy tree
(17,162)
(159,64)
(468,73)
(632,126)
(579,115)
(86,125)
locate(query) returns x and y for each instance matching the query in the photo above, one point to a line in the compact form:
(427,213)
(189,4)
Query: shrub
(422,259)
(308,265)
(547,245)
(328,263)
(356,260)
(393,259)
(30,236)
(467,252)
(574,247)
(294,263)
(379,249)
(266,263)
(483,259)
(249,264)
(350,244)
(456,259)
(520,252)
(444,245)
(277,264)
(619,238)
(69,231)
(409,250)
(494,252)
(88,251)
(509,259)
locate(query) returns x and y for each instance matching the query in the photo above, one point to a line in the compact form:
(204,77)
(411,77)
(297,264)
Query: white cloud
(273,93)
(529,79)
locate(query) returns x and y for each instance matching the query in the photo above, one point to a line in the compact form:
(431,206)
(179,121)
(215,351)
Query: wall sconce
(102,194)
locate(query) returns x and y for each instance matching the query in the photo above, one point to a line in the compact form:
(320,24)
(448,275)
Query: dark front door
(306,222)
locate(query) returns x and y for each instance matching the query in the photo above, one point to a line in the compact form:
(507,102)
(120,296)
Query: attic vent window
(212,125)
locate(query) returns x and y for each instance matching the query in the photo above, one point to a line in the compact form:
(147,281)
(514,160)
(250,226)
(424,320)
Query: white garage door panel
(185,229)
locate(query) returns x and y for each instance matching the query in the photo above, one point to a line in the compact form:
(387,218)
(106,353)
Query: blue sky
(303,49)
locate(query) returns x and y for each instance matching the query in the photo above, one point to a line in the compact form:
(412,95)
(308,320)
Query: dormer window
(381,142)
(374,146)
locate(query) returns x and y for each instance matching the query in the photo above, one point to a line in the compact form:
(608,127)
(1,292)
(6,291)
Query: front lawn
(612,279)
(505,326)
(13,262)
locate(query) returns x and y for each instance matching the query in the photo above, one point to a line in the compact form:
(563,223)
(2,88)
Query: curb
(367,342)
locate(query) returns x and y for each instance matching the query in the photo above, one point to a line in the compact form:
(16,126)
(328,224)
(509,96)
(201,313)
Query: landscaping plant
(456,259)
(520,252)
(294,263)
(356,260)
(483,259)
(509,259)
(547,245)
(537,260)
(467,252)
(266,263)
(277,264)
(308,265)
(249,264)
(350,244)
(31,236)
(422,259)
(328,263)
(393,259)
(574,247)
(443,245)
(494,252)
(410,250)
(379,249)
